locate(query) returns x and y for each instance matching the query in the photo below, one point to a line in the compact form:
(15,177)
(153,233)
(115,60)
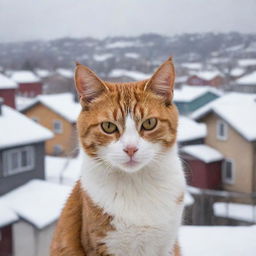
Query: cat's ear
(162,81)
(88,85)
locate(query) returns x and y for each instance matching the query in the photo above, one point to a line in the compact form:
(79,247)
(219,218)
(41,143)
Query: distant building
(58,113)
(247,83)
(7,91)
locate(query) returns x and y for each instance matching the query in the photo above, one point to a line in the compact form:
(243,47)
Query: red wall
(9,97)
(195,80)
(30,89)
(6,241)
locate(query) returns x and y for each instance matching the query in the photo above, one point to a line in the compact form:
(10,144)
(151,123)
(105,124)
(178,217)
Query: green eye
(108,127)
(149,124)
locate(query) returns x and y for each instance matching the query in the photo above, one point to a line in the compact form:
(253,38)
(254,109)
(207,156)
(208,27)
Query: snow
(237,72)
(228,107)
(218,240)
(208,75)
(121,44)
(38,202)
(236,211)
(203,152)
(247,62)
(24,76)
(189,200)
(249,79)
(62,103)
(192,65)
(43,73)
(16,129)
(136,75)
(181,79)
(189,130)
(67,73)
(189,93)
(102,57)
(7,83)
(22,102)
(132,55)
(7,215)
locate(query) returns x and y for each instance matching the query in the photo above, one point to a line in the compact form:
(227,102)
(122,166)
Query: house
(189,98)
(58,113)
(30,85)
(21,149)
(8,90)
(249,64)
(124,75)
(247,83)
(208,77)
(230,122)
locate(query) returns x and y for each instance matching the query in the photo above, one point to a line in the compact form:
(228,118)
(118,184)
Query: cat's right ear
(88,85)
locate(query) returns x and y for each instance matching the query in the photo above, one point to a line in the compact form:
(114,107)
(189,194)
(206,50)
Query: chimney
(1,104)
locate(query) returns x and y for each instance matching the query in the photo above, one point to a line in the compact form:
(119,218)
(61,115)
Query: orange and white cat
(129,200)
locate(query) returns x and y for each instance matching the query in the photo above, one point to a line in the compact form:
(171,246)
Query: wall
(236,148)
(30,88)
(9,97)
(9,183)
(67,139)
(6,241)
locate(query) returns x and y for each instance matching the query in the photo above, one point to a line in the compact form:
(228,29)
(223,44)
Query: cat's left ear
(162,81)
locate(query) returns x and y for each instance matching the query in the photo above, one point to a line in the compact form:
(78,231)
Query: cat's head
(127,125)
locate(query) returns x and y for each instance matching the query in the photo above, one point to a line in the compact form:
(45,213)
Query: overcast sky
(48,19)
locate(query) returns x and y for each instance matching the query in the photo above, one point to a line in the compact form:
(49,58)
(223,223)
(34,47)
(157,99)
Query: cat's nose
(130,150)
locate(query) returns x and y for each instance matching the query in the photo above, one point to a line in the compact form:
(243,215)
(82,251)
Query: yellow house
(58,113)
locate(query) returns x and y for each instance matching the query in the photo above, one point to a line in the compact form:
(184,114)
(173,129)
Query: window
(18,160)
(57,126)
(57,149)
(36,119)
(228,173)
(222,130)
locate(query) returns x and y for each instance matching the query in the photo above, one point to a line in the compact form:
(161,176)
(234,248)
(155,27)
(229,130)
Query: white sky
(47,19)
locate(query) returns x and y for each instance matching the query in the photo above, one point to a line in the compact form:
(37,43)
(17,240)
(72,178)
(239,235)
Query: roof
(62,104)
(136,75)
(228,106)
(102,57)
(249,79)
(38,202)
(247,62)
(189,130)
(65,72)
(17,129)
(189,93)
(208,75)
(7,215)
(24,76)
(203,153)
(43,73)
(192,65)
(237,72)
(7,83)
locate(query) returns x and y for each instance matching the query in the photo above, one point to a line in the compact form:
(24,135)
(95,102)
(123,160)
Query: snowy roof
(11,122)
(189,130)
(132,55)
(235,211)
(217,240)
(136,75)
(237,109)
(189,93)
(24,76)
(208,75)
(7,83)
(181,79)
(62,104)
(67,73)
(7,215)
(102,57)
(203,152)
(38,202)
(122,44)
(249,79)
(22,102)
(237,72)
(247,62)
(42,73)
(192,65)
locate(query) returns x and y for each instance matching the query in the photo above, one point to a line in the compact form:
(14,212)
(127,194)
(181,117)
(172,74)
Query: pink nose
(130,150)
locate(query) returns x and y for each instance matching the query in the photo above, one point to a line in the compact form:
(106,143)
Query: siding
(6,241)
(9,183)
(9,97)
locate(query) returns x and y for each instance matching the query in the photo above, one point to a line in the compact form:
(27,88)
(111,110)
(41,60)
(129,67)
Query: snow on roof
(7,215)
(192,65)
(17,129)
(38,202)
(62,104)
(237,109)
(235,211)
(121,44)
(23,102)
(249,79)
(247,62)
(181,79)
(102,57)
(24,76)
(7,83)
(136,75)
(189,130)
(67,73)
(42,73)
(237,72)
(132,55)
(203,152)
(217,240)
(189,93)
(208,75)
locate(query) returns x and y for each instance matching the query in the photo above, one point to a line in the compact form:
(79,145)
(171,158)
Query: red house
(29,84)
(7,91)
(203,166)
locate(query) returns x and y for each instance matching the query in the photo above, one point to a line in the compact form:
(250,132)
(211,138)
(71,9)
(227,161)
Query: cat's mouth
(131,163)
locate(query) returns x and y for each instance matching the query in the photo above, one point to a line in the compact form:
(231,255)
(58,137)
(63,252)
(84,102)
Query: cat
(130,198)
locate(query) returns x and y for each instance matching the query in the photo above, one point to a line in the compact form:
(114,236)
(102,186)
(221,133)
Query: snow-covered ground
(218,241)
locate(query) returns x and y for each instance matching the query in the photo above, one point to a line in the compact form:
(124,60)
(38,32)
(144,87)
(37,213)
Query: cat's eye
(149,124)
(108,127)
